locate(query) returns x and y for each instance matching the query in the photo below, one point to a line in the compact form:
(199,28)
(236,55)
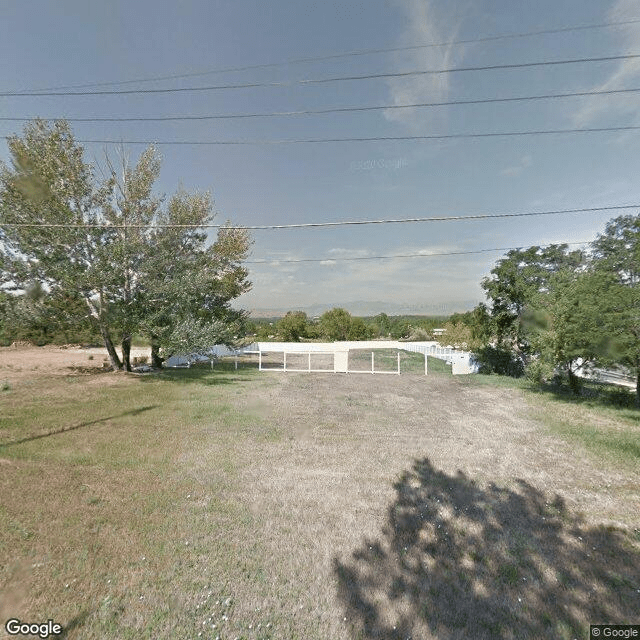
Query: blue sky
(73,42)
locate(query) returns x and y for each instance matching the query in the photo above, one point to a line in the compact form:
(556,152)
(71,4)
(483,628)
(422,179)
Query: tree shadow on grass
(75,623)
(591,393)
(459,561)
(132,412)
(198,374)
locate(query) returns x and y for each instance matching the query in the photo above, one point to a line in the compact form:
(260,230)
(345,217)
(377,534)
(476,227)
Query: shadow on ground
(590,393)
(458,560)
(200,374)
(38,436)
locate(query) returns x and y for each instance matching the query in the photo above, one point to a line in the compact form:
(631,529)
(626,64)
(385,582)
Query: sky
(68,43)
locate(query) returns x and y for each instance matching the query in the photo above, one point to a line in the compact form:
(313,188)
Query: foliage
(497,360)
(458,335)
(516,280)
(617,250)
(131,273)
(293,326)
(56,317)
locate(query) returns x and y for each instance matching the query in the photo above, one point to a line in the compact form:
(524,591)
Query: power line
(308,225)
(439,136)
(346,54)
(395,257)
(227,116)
(314,81)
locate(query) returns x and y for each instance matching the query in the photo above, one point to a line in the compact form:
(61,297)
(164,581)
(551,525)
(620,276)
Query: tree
(514,283)
(457,335)
(618,249)
(293,326)
(49,183)
(185,305)
(470,330)
(617,252)
(335,324)
(383,324)
(359,330)
(565,324)
(112,250)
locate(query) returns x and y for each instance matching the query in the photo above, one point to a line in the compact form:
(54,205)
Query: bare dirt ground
(17,363)
(459,513)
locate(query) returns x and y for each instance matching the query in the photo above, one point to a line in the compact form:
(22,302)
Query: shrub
(539,371)
(499,361)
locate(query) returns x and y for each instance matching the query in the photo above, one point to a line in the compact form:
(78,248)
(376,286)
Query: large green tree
(566,324)
(515,282)
(49,183)
(293,326)
(617,253)
(111,246)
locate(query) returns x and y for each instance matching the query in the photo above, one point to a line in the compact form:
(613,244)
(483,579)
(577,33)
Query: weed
(509,573)
(5,386)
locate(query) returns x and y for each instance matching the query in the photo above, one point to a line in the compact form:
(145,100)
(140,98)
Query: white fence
(461,361)
(319,357)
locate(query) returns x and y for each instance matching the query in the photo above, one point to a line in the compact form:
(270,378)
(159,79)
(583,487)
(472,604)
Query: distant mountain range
(372,308)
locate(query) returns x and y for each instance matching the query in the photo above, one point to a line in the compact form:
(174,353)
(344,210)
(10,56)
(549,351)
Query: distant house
(438,332)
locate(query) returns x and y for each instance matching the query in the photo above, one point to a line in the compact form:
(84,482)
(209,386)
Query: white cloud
(423,27)
(626,73)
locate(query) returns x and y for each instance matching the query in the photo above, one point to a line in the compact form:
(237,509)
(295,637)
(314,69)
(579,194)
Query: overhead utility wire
(439,136)
(394,257)
(227,116)
(313,81)
(346,54)
(307,225)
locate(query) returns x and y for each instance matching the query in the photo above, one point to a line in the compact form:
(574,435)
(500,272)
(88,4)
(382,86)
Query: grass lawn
(387,360)
(610,433)
(201,503)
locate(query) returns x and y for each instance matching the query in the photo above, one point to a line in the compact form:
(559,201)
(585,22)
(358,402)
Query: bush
(420,334)
(494,360)
(621,397)
(539,372)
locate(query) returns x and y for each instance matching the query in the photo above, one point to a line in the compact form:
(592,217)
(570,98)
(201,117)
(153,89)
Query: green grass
(126,533)
(435,366)
(608,432)
(387,360)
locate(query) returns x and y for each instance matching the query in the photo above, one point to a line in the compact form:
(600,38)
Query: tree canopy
(559,310)
(105,240)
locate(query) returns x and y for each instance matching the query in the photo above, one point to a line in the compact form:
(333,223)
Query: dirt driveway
(462,517)
(485,432)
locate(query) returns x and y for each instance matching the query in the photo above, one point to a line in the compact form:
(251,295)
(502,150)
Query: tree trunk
(638,387)
(96,314)
(116,365)
(126,353)
(156,360)
(574,382)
